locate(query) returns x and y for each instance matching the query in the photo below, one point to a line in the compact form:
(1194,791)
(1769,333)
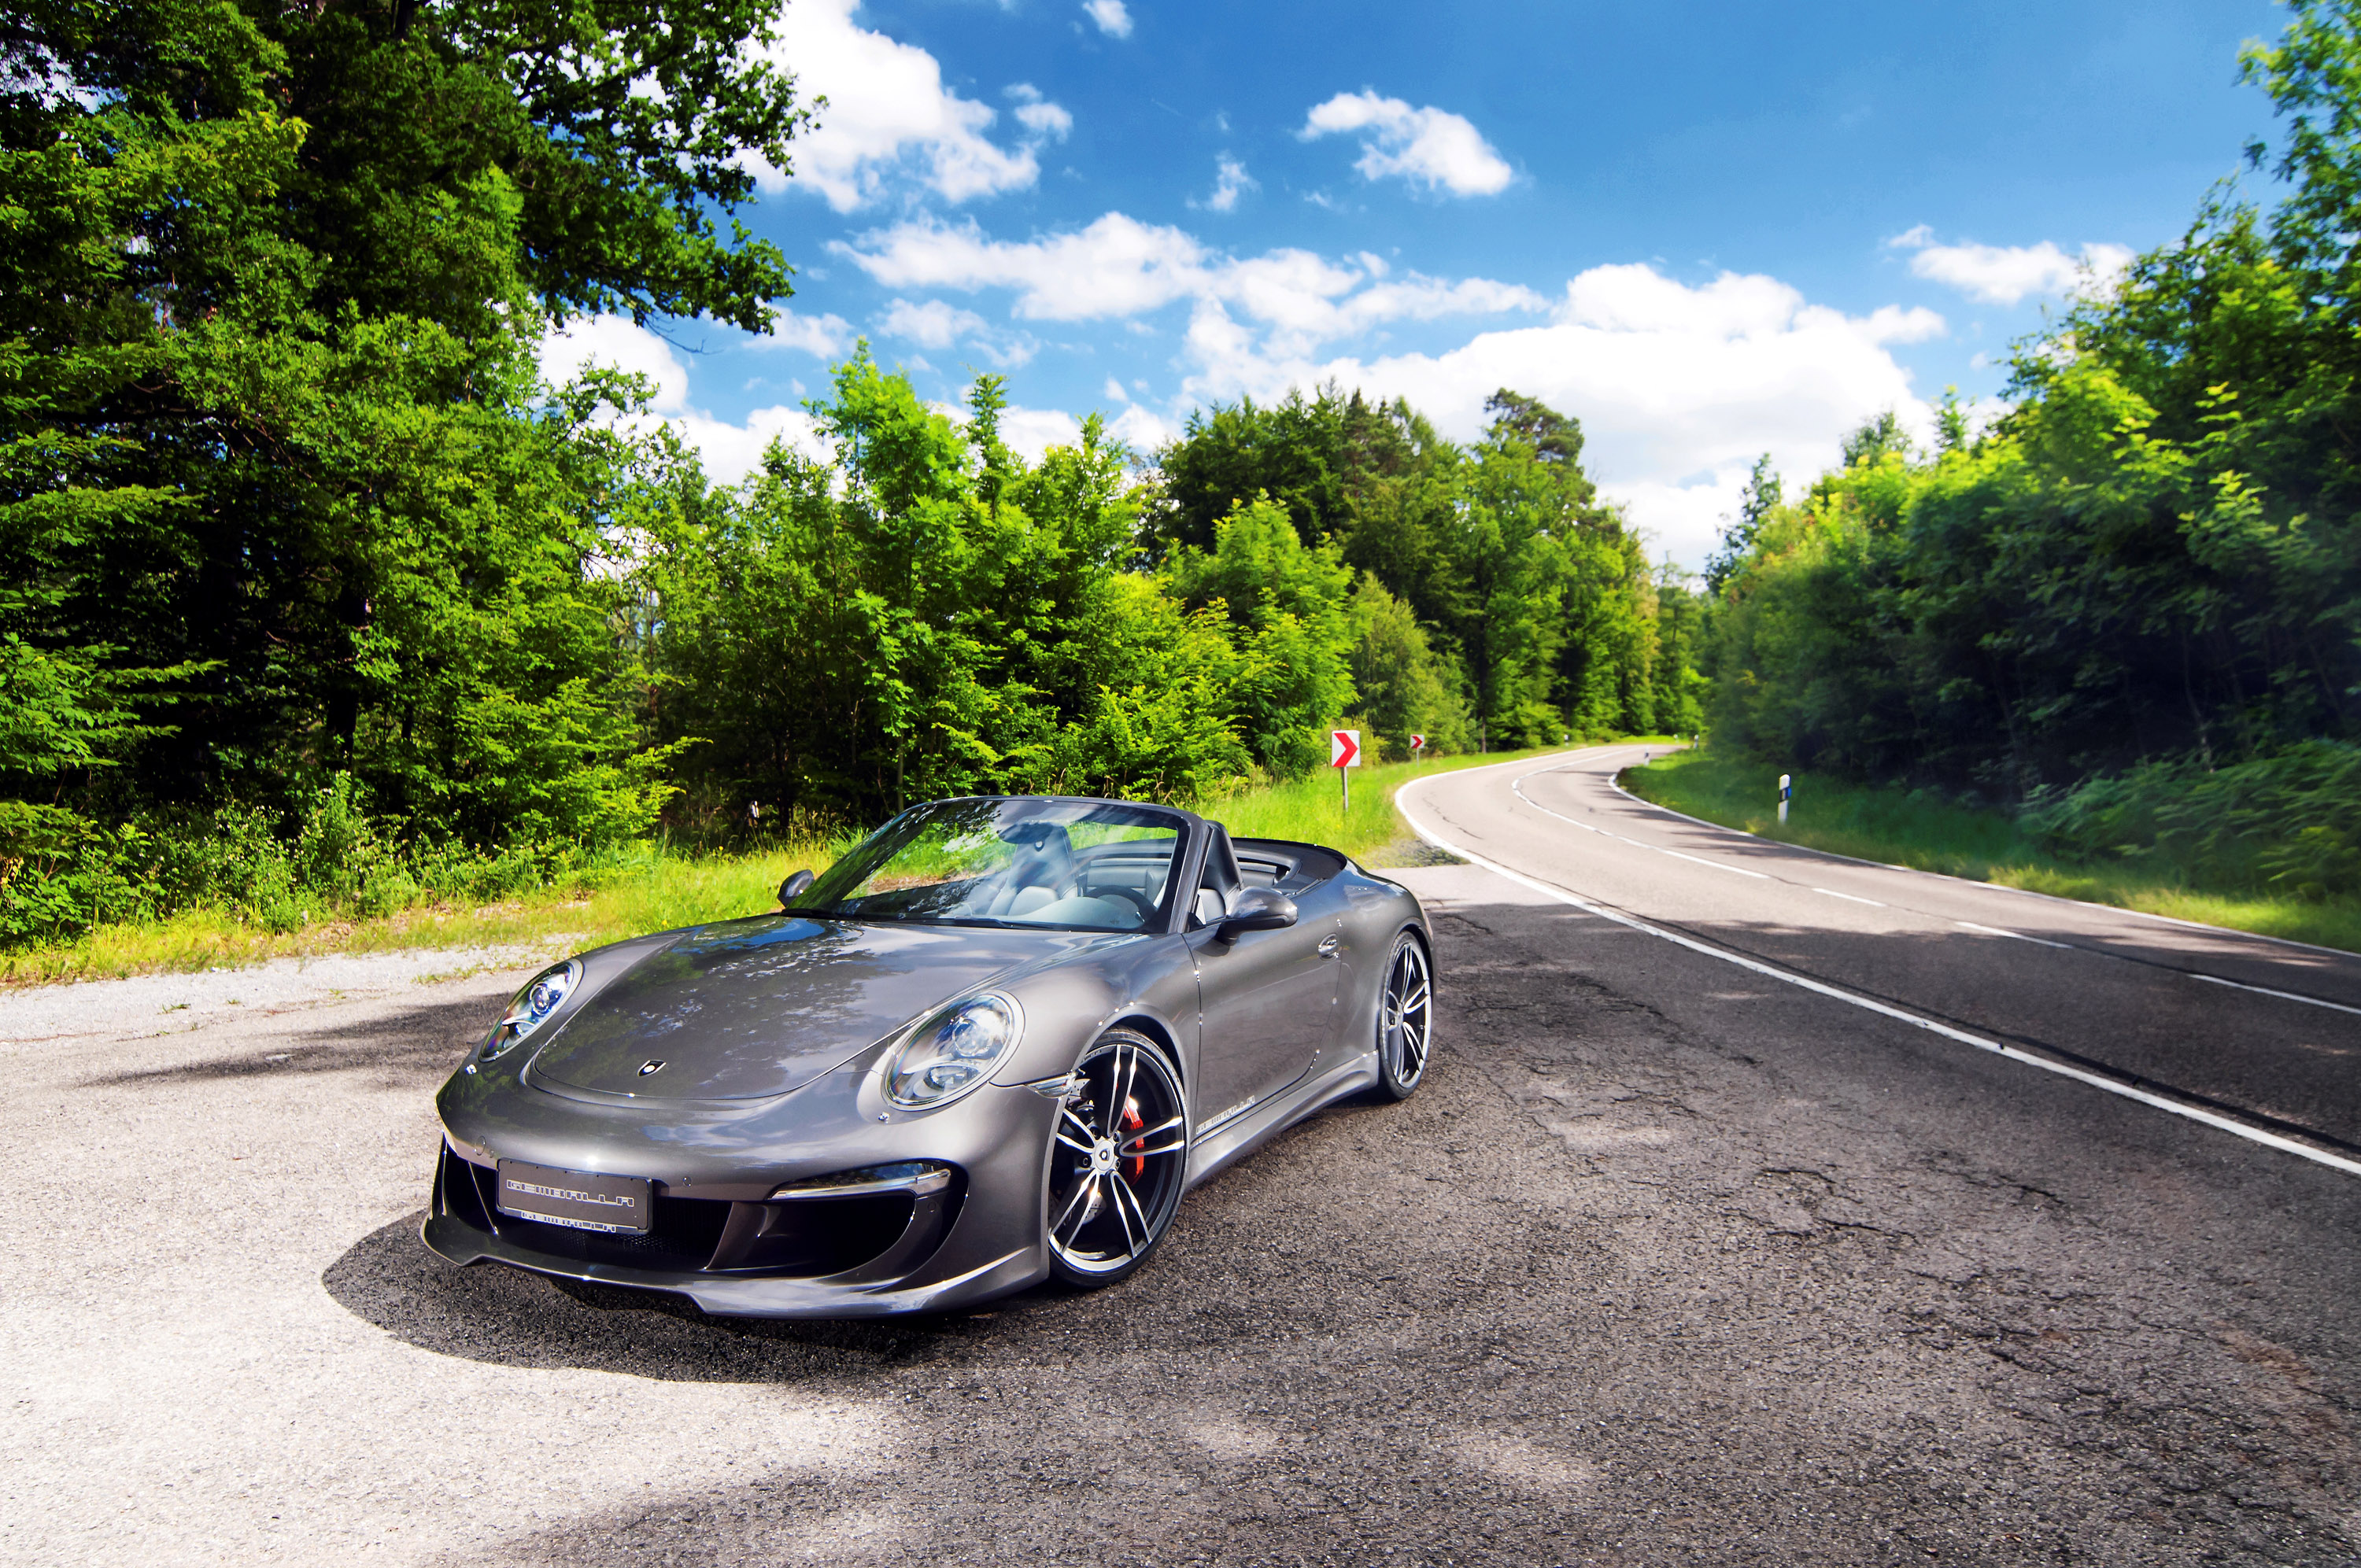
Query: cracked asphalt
(1665,1263)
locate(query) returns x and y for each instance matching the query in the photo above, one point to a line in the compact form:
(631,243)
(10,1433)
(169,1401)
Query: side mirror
(1256,909)
(793,889)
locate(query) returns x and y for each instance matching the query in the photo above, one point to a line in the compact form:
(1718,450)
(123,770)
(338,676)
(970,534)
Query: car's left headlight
(533,1006)
(952,1052)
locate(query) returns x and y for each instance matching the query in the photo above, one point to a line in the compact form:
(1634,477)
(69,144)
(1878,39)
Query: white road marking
(2020,936)
(2267,991)
(2159,1102)
(1716,865)
(1967,882)
(1517,784)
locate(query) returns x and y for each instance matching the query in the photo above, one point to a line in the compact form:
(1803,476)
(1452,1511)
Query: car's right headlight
(953,1051)
(532,1007)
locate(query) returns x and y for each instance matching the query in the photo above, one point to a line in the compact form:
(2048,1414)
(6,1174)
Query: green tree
(1756,502)
(287,350)
(1290,610)
(924,615)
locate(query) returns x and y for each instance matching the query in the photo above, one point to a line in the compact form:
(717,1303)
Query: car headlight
(952,1052)
(532,1006)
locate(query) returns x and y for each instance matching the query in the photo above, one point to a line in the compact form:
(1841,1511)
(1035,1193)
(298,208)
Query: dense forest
(2130,609)
(312,594)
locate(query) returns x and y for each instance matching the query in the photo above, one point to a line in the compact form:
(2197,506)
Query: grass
(665,890)
(1910,828)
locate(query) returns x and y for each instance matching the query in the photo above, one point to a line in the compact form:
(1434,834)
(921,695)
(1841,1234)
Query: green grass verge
(663,890)
(1910,828)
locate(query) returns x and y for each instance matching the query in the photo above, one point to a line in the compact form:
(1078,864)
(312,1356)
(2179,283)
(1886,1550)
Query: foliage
(1290,612)
(315,600)
(1534,599)
(2149,568)
(2288,822)
(926,616)
(281,502)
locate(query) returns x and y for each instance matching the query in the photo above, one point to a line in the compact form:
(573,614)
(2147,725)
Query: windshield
(1077,865)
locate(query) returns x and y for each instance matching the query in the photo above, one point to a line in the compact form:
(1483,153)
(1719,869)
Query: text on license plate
(575,1198)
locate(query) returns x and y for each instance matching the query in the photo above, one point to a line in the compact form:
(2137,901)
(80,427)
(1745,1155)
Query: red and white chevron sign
(1418,742)
(1344,748)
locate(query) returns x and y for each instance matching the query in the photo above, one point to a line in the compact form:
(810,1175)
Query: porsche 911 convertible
(991,1047)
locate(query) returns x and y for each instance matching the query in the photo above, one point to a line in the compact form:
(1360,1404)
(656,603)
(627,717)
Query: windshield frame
(893,836)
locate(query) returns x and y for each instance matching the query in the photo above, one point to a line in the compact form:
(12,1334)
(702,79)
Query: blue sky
(1707,232)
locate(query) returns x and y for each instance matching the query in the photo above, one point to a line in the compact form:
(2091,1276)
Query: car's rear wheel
(1117,1160)
(1405,1019)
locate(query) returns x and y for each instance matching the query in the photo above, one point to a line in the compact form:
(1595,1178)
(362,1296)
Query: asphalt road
(1668,1262)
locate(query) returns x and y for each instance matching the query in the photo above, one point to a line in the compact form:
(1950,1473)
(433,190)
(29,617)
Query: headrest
(1222,864)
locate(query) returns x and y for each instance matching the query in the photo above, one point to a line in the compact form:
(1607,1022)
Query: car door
(1268,1001)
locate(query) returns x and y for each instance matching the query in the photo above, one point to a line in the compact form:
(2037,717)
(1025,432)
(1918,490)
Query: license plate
(620,1204)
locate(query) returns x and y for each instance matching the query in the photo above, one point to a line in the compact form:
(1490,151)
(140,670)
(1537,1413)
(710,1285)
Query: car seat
(1043,863)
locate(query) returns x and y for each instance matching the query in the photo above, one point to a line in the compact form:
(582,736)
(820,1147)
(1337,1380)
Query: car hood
(748,1009)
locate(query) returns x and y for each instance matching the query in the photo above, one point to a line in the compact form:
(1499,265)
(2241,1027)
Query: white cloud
(1113,17)
(1678,388)
(1114,392)
(2002,275)
(1428,146)
(1142,430)
(1046,121)
(1031,431)
(731,451)
(824,335)
(1230,180)
(888,110)
(933,324)
(1118,267)
(616,343)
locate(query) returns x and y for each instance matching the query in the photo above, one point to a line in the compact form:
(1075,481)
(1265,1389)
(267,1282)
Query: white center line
(2267,991)
(2016,935)
(2161,1101)
(1518,785)
(1716,865)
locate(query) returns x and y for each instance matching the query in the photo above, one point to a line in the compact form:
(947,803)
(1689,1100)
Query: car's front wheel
(1117,1160)
(1405,1019)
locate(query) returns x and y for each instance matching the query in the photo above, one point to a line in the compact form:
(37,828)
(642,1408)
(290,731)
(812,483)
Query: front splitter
(451,1237)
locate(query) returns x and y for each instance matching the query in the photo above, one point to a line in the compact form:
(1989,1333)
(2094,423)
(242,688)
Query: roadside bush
(2290,821)
(334,861)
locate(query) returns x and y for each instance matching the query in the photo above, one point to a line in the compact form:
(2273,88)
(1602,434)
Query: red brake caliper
(1132,1123)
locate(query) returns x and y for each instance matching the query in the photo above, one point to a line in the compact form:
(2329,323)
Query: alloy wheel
(1117,1160)
(1406,1018)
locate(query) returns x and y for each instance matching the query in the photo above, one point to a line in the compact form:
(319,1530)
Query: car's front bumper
(720,1235)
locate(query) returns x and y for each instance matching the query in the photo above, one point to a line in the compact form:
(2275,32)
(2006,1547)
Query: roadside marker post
(1343,755)
(1417,744)
(1786,789)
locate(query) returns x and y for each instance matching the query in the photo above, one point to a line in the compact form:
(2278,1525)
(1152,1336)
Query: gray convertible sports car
(992,1044)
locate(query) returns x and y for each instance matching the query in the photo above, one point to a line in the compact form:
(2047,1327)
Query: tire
(1405,1019)
(1118,1159)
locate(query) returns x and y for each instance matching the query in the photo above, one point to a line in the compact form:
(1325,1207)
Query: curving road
(1670,1260)
(2263,1035)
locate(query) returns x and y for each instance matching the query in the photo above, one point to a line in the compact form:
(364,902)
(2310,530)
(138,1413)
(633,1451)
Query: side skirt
(1215,1151)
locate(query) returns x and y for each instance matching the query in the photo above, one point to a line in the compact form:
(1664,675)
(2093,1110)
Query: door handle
(1328,945)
